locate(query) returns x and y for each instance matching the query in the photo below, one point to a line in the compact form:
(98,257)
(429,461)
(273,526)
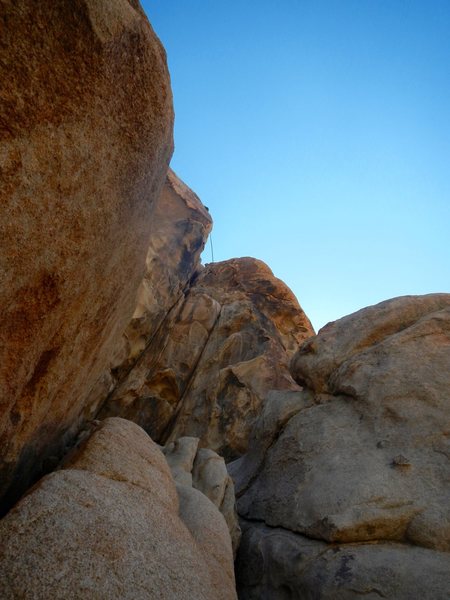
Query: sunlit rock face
(112,524)
(86,136)
(217,355)
(353,470)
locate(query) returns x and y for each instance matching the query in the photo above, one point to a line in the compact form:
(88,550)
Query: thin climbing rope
(212,249)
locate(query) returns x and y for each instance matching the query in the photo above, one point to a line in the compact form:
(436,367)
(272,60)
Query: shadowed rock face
(360,455)
(277,564)
(220,351)
(179,227)
(86,135)
(111,524)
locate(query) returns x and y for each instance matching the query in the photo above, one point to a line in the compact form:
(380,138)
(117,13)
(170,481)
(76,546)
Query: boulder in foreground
(107,527)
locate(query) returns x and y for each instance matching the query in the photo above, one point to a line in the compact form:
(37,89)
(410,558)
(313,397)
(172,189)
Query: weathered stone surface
(275,564)
(85,139)
(228,345)
(204,470)
(247,353)
(317,362)
(211,536)
(107,526)
(361,454)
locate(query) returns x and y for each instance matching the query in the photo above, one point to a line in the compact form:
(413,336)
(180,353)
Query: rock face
(360,455)
(111,525)
(86,135)
(216,357)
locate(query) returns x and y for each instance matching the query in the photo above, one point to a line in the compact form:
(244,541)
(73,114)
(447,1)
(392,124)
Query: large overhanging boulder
(86,135)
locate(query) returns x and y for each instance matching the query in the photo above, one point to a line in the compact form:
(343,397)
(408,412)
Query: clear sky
(318,134)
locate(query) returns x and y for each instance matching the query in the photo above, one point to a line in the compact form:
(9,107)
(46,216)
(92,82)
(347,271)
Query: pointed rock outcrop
(217,356)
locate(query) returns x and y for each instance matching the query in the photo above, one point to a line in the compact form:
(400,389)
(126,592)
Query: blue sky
(318,134)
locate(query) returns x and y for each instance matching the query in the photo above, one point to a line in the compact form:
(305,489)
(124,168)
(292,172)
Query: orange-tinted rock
(218,355)
(86,135)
